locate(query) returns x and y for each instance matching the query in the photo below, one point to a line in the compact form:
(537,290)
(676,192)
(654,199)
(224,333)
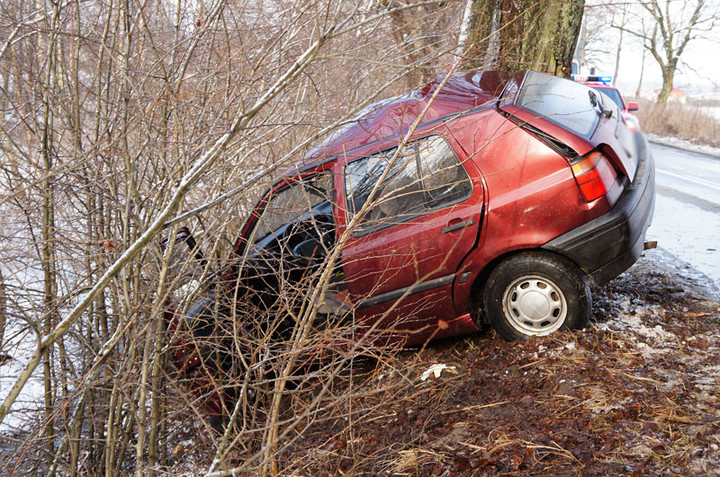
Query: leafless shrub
(105,108)
(120,119)
(685,121)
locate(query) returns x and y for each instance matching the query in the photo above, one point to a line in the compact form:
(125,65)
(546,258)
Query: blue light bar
(591,78)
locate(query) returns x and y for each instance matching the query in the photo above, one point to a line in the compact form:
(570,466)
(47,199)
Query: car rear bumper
(607,246)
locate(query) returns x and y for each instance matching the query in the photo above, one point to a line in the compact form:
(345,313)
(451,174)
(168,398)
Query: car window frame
(274,191)
(349,204)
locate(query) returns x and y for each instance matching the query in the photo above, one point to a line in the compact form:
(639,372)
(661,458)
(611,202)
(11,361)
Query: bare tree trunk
(668,74)
(3,313)
(48,239)
(642,72)
(540,36)
(416,34)
(618,51)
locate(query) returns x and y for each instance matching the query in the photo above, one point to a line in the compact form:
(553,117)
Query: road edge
(684,145)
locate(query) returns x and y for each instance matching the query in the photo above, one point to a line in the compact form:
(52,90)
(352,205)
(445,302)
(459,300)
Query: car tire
(535,294)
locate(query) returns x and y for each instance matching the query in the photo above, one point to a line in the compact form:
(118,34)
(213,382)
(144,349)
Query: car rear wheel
(535,294)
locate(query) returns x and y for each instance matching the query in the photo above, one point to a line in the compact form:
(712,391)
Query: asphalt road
(687,212)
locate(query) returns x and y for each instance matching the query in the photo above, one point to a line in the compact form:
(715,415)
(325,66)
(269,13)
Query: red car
(602,84)
(495,199)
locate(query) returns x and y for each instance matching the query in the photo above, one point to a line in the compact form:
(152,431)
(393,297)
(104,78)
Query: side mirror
(633,107)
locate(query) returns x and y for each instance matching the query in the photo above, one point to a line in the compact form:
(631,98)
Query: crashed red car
(494,199)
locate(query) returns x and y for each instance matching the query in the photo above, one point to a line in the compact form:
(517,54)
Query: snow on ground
(632,321)
(19,346)
(684,144)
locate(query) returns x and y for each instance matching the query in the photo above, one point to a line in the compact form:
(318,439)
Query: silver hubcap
(534,305)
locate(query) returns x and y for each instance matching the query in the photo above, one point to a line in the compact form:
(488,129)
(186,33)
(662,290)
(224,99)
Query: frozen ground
(636,393)
(20,346)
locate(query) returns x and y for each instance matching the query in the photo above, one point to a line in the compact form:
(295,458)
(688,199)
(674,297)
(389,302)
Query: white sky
(699,70)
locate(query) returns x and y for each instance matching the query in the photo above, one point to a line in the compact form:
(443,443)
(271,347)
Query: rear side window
(426,175)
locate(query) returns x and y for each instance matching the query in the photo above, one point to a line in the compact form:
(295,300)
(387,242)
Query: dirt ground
(636,393)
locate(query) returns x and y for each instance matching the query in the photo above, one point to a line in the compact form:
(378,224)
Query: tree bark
(642,73)
(525,34)
(480,32)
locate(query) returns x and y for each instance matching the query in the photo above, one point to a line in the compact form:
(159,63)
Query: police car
(603,84)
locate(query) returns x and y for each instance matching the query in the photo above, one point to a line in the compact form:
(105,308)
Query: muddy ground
(636,393)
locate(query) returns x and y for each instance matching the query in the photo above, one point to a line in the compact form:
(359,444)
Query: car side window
(425,176)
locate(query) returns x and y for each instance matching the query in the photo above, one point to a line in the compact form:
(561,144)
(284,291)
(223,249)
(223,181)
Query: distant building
(676,96)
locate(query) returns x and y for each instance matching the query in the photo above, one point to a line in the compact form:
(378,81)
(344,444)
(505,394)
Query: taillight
(596,177)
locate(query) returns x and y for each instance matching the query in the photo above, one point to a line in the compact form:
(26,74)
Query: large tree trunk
(526,34)
(478,31)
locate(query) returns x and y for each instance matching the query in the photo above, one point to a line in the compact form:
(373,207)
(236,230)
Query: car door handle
(457,225)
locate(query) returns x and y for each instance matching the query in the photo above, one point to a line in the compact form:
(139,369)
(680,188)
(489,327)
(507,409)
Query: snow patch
(20,345)
(632,317)
(683,144)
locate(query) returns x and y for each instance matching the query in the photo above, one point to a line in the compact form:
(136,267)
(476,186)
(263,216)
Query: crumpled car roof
(462,92)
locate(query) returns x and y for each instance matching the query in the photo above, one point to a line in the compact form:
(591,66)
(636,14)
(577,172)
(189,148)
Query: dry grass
(685,121)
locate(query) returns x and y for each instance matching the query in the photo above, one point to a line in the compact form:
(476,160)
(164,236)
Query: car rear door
(401,261)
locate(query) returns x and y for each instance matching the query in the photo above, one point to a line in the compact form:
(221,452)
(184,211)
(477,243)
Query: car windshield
(571,105)
(288,204)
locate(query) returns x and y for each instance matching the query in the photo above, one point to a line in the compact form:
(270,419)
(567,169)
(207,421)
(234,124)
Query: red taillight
(595,176)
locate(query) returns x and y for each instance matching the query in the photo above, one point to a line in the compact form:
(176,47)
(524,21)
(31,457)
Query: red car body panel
(530,200)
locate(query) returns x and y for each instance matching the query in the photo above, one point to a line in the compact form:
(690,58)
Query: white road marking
(691,179)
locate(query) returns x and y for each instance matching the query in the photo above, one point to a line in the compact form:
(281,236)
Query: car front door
(400,262)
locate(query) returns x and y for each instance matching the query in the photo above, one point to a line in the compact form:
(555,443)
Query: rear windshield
(571,105)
